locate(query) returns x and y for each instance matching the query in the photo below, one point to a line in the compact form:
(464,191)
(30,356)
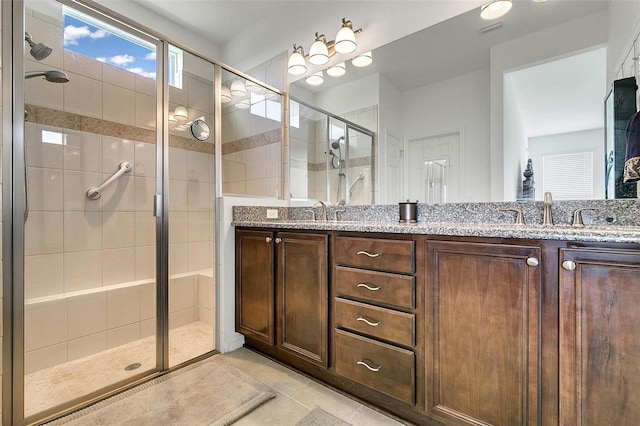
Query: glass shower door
(90,235)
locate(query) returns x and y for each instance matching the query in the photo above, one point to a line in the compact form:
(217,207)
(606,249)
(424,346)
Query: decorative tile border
(67,120)
(255,141)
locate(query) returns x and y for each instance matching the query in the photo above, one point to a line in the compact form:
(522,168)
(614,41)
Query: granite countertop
(622,234)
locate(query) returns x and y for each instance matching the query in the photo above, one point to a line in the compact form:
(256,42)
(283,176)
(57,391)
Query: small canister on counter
(408,211)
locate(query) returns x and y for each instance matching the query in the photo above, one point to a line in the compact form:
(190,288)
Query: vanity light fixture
(318,52)
(346,38)
(225,94)
(297,65)
(180,113)
(495,9)
(315,79)
(238,88)
(363,60)
(337,70)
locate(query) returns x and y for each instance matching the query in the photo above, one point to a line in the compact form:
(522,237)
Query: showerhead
(39,51)
(52,76)
(336,144)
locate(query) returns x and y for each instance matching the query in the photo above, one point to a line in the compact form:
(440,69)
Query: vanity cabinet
(599,337)
(282,291)
(482,313)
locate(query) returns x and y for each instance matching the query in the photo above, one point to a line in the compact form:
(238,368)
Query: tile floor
(297,396)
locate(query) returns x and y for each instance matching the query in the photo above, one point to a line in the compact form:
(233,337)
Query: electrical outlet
(272,214)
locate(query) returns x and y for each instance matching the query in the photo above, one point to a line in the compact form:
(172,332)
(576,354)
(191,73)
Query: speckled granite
(617,221)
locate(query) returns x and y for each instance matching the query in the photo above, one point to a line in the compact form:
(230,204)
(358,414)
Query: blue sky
(106,47)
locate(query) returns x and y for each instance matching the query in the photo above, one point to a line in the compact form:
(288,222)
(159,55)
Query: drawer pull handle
(369,254)
(368,287)
(372,324)
(364,362)
(268,239)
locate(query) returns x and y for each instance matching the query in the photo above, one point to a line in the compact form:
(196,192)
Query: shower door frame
(14,206)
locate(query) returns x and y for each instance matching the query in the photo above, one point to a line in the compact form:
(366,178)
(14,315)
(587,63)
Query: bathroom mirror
(479,98)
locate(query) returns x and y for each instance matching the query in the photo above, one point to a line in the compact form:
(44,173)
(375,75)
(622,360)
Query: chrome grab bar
(364,362)
(366,321)
(369,254)
(96,192)
(368,287)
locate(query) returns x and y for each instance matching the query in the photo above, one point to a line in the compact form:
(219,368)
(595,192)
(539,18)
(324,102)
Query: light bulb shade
(238,88)
(363,60)
(172,119)
(315,79)
(345,40)
(318,53)
(337,70)
(495,9)
(180,113)
(243,104)
(253,87)
(297,65)
(225,95)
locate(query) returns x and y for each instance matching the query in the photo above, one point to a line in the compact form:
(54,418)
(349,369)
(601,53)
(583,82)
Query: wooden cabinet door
(302,295)
(255,285)
(599,337)
(482,333)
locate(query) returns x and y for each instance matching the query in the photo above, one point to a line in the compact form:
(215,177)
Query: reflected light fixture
(315,79)
(243,104)
(253,87)
(337,70)
(495,9)
(297,65)
(225,94)
(346,38)
(238,88)
(180,113)
(318,52)
(363,60)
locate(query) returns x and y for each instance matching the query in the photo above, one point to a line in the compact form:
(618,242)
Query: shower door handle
(26,181)
(157,205)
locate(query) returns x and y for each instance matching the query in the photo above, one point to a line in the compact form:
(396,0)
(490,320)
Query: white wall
(515,142)
(626,16)
(389,123)
(533,49)
(350,96)
(587,140)
(460,103)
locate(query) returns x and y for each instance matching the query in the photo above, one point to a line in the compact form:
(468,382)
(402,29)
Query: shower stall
(109,183)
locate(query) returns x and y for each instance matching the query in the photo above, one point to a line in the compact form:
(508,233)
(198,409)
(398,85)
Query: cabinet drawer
(372,253)
(383,367)
(393,326)
(391,289)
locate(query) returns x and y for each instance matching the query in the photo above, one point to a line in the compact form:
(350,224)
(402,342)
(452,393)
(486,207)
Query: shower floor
(53,386)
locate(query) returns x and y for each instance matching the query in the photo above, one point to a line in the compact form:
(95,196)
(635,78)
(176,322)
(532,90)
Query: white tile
(82,270)
(206,316)
(42,275)
(199,256)
(145,189)
(119,77)
(147,328)
(201,95)
(178,164)
(45,189)
(178,196)
(145,85)
(118,230)
(82,231)
(77,99)
(86,314)
(87,345)
(145,229)
(118,104)
(145,111)
(45,27)
(199,166)
(145,159)
(118,266)
(145,262)
(206,292)
(180,318)
(45,324)
(199,226)
(120,195)
(181,293)
(178,227)
(199,196)
(49,356)
(43,233)
(40,154)
(123,306)
(81,64)
(147,301)
(83,152)
(179,96)
(178,258)
(76,185)
(274,160)
(123,335)
(40,92)
(115,151)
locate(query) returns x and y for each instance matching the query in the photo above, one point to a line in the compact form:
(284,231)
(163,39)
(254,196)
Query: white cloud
(151,56)
(122,59)
(101,59)
(140,71)
(72,34)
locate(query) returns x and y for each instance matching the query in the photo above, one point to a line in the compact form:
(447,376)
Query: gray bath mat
(319,417)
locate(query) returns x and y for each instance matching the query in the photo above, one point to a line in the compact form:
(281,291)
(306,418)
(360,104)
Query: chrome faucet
(324,210)
(335,213)
(519,215)
(547,217)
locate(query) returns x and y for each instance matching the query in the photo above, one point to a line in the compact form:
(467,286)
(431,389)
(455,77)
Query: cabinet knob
(569,265)
(364,362)
(532,261)
(268,239)
(278,240)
